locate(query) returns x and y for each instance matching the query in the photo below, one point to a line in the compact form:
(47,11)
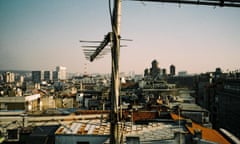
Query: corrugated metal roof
(93,127)
(150,132)
(146,133)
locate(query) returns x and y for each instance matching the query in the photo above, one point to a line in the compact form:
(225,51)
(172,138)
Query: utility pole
(114,39)
(115,89)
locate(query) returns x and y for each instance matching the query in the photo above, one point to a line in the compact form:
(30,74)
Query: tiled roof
(207,133)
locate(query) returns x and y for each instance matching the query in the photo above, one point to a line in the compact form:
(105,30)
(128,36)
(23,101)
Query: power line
(221,3)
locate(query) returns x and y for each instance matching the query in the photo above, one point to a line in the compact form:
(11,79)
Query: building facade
(155,69)
(48,75)
(172,70)
(27,103)
(220,94)
(61,72)
(9,77)
(227,106)
(37,76)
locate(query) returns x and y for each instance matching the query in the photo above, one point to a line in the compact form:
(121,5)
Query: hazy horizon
(40,35)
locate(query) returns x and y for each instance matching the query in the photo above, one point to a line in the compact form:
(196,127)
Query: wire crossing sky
(39,35)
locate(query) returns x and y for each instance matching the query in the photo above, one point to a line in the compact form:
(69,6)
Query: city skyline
(39,35)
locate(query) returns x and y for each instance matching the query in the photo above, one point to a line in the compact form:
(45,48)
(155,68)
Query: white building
(61,72)
(27,103)
(9,77)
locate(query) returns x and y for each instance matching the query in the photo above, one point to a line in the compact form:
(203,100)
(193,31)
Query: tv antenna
(113,38)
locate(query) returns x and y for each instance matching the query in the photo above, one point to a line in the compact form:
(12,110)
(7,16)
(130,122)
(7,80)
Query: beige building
(27,103)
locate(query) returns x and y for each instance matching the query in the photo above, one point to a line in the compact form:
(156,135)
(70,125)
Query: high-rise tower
(172,70)
(37,76)
(9,77)
(61,72)
(155,70)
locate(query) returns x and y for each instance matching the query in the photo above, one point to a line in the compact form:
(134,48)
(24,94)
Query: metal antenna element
(102,45)
(92,52)
(85,41)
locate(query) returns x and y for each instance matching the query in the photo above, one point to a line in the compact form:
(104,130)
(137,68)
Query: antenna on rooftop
(93,52)
(85,69)
(113,38)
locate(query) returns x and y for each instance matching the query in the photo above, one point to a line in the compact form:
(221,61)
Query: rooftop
(90,127)
(207,133)
(150,132)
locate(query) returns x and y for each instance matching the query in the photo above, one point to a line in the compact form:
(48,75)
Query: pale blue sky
(41,34)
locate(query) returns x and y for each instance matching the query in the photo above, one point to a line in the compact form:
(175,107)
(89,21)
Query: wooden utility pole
(115,89)
(114,38)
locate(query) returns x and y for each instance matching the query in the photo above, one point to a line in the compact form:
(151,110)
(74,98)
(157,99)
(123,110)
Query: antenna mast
(116,19)
(114,39)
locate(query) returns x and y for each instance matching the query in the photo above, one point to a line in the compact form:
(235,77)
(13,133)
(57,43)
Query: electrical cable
(110,11)
(111,17)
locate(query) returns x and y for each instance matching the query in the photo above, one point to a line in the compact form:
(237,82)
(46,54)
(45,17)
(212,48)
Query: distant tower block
(164,72)
(155,64)
(9,77)
(155,70)
(61,72)
(146,72)
(37,76)
(48,75)
(172,70)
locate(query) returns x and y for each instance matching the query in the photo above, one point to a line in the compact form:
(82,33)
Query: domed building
(155,70)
